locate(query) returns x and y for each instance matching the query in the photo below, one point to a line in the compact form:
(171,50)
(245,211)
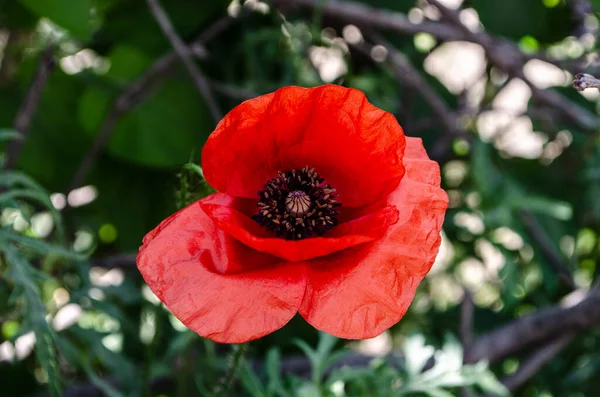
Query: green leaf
(195,168)
(27,194)
(485,174)
(7,135)
(517,18)
(18,178)
(71,15)
(127,63)
(146,134)
(416,354)
(23,275)
(438,393)
(490,384)
(323,356)
(35,192)
(39,246)
(251,382)
(557,209)
(273,369)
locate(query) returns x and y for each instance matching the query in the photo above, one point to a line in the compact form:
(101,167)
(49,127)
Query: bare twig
(584,81)
(126,261)
(183,52)
(508,57)
(137,92)
(537,233)
(406,72)
(535,328)
(581,10)
(537,360)
(466,321)
(232,92)
(29,106)
(363,15)
(504,54)
(410,77)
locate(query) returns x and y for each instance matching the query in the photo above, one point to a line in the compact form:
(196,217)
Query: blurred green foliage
(75,268)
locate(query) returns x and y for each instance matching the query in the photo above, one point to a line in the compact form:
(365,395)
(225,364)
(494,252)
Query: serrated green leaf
(18,178)
(39,246)
(23,276)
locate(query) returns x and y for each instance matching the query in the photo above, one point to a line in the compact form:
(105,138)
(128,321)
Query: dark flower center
(297,204)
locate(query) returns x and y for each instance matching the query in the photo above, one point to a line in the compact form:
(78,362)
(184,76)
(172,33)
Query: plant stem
(226,382)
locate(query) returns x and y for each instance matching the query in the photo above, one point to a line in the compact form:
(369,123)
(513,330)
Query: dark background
(98,115)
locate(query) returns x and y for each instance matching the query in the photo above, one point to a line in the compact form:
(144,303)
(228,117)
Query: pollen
(297,204)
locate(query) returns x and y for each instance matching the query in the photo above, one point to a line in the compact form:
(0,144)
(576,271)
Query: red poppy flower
(344,227)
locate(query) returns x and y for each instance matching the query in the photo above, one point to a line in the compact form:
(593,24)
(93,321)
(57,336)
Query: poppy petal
(348,234)
(194,269)
(330,128)
(361,292)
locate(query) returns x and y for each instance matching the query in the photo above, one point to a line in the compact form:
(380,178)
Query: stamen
(297,204)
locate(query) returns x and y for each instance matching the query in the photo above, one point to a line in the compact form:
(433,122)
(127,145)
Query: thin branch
(536,361)
(184,54)
(502,53)
(548,249)
(126,261)
(299,366)
(508,57)
(363,15)
(240,94)
(535,328)
(466,321)
(581,9)
(584,81)
(136,93)
(29,106)
(410,77)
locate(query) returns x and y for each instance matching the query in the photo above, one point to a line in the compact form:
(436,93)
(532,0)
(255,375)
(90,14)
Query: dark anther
(297,204)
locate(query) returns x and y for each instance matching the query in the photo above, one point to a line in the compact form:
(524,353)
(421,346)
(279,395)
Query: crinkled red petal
(216,286)
(348,234)
(360,292)
(355,146)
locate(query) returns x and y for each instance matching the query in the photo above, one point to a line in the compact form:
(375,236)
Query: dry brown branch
(584,81)
(29,106)
(366,16)
(136,93)
(546,246)
(542,325)
(505,55)
(537,360)
(183,52)
(466,321)
(508,57)
(408,76)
